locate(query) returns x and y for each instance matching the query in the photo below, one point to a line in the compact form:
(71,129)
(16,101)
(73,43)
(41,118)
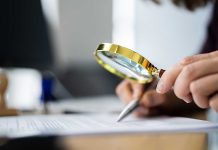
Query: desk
(163,141)
(151,141)
(178,141)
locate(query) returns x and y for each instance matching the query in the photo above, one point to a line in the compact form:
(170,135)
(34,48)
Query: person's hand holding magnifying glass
(138,88)
(194,79)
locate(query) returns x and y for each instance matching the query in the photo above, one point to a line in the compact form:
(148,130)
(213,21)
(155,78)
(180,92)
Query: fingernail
(160,87)
(187,100)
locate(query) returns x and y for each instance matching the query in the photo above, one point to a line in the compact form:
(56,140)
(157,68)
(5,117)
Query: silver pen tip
(128,109)
(119,118)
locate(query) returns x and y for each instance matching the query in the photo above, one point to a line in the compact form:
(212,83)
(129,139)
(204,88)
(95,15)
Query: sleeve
(211,42)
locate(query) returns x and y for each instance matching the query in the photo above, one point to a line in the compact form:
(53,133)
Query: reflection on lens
(125,66)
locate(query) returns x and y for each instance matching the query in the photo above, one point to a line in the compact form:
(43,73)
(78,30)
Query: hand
(151,102)
(195,78)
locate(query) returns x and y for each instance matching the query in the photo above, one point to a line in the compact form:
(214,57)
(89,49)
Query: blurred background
(47,49)
(58,38)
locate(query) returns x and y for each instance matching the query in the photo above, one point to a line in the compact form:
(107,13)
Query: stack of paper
(74,125)
(100,104)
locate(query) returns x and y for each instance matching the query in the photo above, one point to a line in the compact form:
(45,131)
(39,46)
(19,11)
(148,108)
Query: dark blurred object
(33,143)
(211,41)
(189,4)
(24,40)
(52,88)
(48,81)
(88,80)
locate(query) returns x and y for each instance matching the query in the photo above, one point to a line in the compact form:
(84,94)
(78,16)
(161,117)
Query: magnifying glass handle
(161,72)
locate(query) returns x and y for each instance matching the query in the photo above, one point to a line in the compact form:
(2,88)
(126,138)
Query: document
(97,104)
(94,124)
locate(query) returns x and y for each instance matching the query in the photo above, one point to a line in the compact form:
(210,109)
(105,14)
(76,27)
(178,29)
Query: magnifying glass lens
(124,65)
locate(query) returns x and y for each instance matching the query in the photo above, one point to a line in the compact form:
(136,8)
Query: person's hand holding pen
(149,100)
(128,90)
(152,103)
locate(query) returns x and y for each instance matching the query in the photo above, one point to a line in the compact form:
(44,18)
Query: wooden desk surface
(161,141)
(176,141)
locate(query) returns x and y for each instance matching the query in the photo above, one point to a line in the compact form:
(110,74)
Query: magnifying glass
(126,63)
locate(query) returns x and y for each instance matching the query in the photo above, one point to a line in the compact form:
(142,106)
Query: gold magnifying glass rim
(128,53)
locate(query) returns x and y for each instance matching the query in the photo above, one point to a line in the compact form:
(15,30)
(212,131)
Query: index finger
(137,89)
(169,77)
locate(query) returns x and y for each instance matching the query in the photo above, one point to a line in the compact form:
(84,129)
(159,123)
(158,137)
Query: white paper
(75,125)
(90,104)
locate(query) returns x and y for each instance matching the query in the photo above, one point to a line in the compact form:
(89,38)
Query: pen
(128,109)
(133,104)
